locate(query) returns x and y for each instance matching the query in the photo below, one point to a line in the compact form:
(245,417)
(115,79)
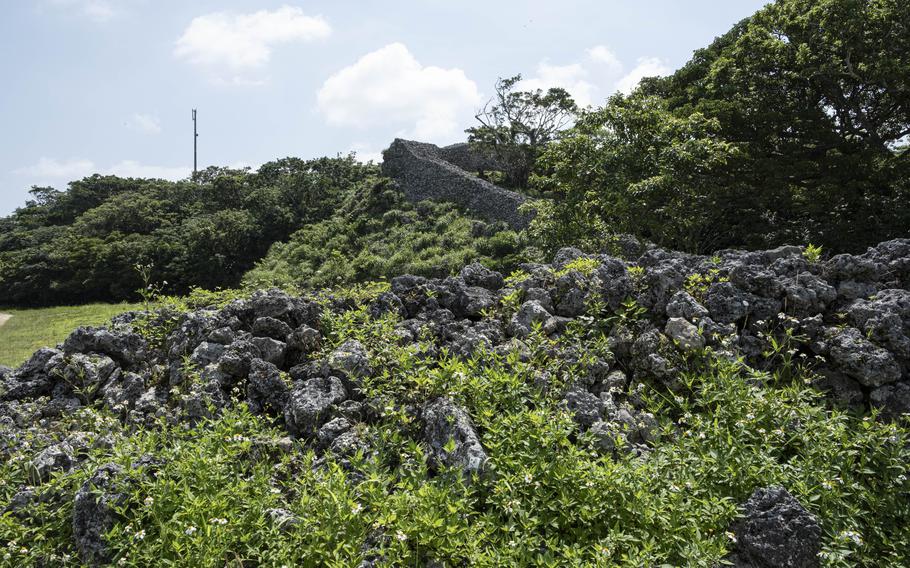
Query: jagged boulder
(266,391)
(310,404)
(451,438)
(94,512)
(125,347)
(775,531)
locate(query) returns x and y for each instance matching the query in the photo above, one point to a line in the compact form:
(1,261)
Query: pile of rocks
(849,317)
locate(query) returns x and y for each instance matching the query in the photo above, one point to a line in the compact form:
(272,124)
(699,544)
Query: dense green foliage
(203,495)
(376,233)
(792,127)
(84,244)
(515,126)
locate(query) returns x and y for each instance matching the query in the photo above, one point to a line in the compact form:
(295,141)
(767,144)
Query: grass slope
(30,329)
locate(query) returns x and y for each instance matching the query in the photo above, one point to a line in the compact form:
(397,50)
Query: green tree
(516,125)
(802,114)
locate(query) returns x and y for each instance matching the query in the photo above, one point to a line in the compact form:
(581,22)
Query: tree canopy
(83,244)
(791,127)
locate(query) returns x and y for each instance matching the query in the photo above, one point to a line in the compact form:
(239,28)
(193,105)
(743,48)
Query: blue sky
(108,85)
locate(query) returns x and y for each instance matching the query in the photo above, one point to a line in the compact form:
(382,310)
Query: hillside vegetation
(324,374)
(85,243)
(588,412)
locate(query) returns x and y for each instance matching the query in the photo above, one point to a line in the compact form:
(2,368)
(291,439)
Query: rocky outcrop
(775,531)
(423,171)
(451,437)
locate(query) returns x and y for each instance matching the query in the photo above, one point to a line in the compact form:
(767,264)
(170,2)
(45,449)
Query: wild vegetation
(790,128)
(84,244)
(375,233)
(420,388)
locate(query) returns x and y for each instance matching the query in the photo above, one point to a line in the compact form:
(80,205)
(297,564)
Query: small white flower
(139,535)
(149,501)
(528,478)
(218,521)
(855,537)
(401,536)
(357,508)
(190,531)
(731,536)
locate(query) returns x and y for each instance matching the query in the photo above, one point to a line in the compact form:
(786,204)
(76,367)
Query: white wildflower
(190,531)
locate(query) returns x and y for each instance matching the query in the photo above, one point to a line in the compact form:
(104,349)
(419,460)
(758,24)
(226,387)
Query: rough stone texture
(423,173)
(31,380)
(125,347)
(775,532)
(58,457)
(684,334)
(468,158)
(309,405)
(477,274)
(350,360)
(585,407)
(266,391)
(93,513)
(530,313)
(859,358)
(444,424)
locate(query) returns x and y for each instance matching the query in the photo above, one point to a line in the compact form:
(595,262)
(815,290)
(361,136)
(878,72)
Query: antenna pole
(195,138)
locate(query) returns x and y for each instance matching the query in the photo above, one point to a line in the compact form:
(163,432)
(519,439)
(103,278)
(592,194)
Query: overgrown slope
(592,411)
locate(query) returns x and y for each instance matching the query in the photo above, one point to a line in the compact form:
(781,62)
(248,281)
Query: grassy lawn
(31,329)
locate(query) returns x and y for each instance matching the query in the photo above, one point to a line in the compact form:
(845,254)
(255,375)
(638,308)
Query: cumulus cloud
(647,67)
(242,42)
(596,76)
(49,170)
(144,123)
(573,78)
(603,55)
(52,168)
(389,87)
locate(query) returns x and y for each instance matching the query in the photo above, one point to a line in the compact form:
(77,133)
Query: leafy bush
(83,244)
(207,496)
(790,128)
(377,234)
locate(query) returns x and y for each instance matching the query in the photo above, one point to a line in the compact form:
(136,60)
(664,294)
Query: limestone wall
(423,172)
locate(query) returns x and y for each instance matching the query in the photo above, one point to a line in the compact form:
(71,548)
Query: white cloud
(603,55)
(596,76)
(366,153)
(572,78)
(48,170)
(647,67)
(144,123)
(52,168)
(242,42)
(97,10)
(389,87)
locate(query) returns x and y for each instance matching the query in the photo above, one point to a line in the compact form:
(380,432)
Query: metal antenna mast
(195,138)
